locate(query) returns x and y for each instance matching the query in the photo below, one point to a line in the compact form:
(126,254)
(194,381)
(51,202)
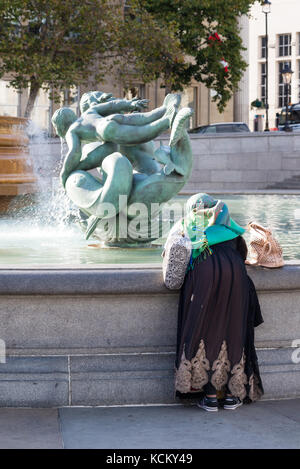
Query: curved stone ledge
(122,279)
(106,335)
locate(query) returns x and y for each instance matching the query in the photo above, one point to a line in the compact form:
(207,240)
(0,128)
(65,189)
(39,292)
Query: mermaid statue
(115,137)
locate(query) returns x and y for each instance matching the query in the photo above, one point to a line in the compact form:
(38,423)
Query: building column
(241,97)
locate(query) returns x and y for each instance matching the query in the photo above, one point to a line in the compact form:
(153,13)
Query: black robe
(218,310)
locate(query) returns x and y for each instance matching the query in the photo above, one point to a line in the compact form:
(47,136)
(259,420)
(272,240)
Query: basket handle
(255,226)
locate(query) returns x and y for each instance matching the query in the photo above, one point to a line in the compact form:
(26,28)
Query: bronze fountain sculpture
(115,137)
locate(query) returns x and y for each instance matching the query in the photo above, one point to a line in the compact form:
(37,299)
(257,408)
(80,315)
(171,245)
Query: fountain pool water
(27,240)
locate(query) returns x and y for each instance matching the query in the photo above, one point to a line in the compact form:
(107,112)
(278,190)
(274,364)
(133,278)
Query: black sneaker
(210,404)
(232,403)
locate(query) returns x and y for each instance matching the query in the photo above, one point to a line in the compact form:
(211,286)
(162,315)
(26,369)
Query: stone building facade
(283,48)
(197,96)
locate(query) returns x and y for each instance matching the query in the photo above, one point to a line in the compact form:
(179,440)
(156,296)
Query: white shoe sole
(233,407)
(208,409)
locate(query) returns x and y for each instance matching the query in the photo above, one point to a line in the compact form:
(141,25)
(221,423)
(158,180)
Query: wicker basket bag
(263,250)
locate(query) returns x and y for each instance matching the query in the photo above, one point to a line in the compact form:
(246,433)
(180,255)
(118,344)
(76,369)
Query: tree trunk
(34,89)
(168,88)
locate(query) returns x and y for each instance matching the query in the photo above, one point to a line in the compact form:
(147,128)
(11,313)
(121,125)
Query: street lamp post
(287,78)
(266,8)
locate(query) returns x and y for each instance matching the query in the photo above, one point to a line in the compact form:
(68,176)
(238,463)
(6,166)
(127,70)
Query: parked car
(293,117)
(221,128)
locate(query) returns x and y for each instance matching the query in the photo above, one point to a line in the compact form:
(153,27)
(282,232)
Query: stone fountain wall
(105,336)
(244,162)
(234,162)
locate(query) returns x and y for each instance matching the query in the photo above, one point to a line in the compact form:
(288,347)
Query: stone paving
(266,424)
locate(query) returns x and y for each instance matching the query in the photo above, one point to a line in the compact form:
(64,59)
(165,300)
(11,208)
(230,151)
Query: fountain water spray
(49,206)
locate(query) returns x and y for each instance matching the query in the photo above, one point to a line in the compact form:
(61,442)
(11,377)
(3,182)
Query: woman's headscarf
(207,222)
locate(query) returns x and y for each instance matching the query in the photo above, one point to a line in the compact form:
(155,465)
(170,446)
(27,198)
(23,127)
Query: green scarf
(207,222)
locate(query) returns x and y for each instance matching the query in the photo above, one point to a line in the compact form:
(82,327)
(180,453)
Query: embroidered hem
(193,374)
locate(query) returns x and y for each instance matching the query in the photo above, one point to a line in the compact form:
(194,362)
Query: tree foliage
(193,22)
(58,44)
(52,42)
(149,49)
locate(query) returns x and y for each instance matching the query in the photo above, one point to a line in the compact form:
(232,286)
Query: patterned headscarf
(207,222)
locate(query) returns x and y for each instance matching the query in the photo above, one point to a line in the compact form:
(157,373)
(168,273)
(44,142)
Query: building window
(263,83)
(263,48)
(285,45)
(281,86)
(135,91)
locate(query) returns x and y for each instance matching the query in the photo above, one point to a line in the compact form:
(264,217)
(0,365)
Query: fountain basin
(89,326)
(33,237)
(107,336)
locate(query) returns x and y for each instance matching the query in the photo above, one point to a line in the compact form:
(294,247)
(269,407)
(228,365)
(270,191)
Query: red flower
(213,38)
(225,65)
